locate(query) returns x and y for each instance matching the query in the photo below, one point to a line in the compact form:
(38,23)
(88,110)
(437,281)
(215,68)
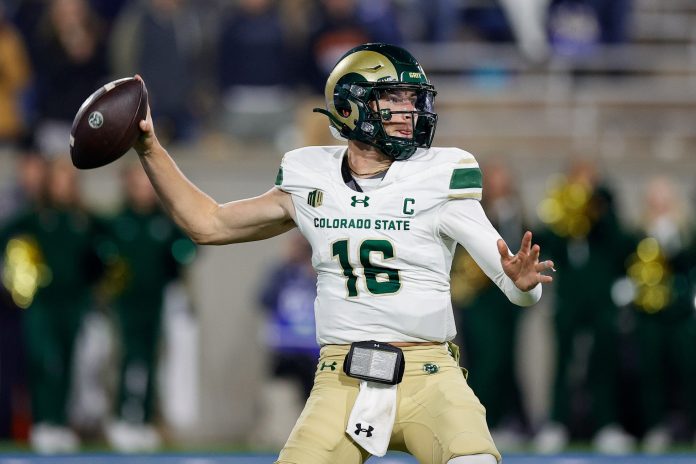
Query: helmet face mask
(376,87)
(418,119)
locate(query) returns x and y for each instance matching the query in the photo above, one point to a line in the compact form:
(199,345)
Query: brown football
(107,124)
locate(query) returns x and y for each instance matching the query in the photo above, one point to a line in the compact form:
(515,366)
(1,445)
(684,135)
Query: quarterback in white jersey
(383,256)
(383,215)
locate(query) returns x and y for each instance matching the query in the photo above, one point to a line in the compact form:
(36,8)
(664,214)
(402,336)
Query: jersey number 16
(379,280)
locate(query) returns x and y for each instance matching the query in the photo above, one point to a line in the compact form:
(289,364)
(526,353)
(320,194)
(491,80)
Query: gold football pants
(438,416)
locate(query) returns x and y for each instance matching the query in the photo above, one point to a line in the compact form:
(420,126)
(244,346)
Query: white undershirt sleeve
(465,222)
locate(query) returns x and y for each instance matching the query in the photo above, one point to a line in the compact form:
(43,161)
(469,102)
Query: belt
(403,344)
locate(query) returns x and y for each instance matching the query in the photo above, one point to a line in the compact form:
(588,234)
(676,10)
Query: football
(107,124)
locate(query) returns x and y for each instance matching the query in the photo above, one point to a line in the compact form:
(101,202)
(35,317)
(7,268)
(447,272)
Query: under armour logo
(331,366)
(357,200)
(368,430)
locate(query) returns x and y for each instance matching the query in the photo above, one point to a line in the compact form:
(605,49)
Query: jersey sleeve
(466,222)
(465,180)
(280,177)
(293,172)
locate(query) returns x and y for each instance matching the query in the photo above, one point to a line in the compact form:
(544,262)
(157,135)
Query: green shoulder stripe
(466,178)
(279,177)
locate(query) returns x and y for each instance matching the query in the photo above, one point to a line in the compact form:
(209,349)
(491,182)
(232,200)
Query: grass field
(244,458)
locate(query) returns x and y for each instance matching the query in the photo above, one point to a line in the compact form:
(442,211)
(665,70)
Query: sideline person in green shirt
(50,268)
(147,252)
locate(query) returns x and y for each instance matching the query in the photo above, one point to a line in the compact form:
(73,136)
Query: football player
(383,216)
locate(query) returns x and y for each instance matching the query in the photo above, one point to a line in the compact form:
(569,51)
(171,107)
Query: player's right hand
(147,139)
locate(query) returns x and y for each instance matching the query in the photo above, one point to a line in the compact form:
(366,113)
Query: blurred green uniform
(144,254)
(489,329)
(587,267)
(665,340)
(488,322)
(68,266)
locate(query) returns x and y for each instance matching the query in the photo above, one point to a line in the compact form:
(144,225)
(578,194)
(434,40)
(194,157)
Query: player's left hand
(524,268)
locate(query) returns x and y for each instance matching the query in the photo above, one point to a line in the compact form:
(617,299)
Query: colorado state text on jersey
(349,223)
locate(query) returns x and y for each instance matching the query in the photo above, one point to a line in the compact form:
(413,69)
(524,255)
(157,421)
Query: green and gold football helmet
(359,78)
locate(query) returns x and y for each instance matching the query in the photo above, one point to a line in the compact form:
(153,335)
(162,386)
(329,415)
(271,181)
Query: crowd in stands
(203,58)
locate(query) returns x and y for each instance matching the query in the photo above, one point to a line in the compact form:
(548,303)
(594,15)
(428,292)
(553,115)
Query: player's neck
(365,160)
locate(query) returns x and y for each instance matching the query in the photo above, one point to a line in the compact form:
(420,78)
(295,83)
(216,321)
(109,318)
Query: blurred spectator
(528,22)
(288,295)
(145,253)
(251,50)
(338,27)
(613,17)
(381,20)
(109,10)
(523,21)
(665,324)
(486,22)
(488,322)
(160,39)
(50,273)
(589,249)
(14,407)
(70,64)
(576,27)
(433,21)
(255,66)
(14,78)
(29,182)
(26,16)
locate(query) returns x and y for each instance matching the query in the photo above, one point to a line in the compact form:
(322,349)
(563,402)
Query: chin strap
(344,130)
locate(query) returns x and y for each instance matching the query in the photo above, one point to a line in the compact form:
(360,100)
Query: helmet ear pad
(341,102)
(343,95)
(352,103)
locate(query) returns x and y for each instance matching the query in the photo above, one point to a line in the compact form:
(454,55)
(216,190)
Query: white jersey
(383,257)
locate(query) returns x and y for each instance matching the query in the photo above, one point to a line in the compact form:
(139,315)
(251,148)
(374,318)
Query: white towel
(372,418)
